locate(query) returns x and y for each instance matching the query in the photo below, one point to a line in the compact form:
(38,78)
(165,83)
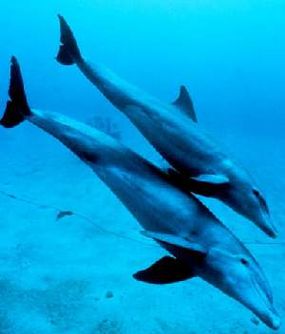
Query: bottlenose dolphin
(199,244)
(173,131)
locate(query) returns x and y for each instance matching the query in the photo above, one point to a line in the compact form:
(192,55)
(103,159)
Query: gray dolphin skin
(197,242)
(172,129)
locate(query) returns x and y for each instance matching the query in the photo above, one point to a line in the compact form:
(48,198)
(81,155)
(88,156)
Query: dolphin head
(244,197)
(239,276)
(258,211)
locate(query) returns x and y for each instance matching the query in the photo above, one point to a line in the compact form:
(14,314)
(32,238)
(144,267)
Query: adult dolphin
(199,244)
(172,130)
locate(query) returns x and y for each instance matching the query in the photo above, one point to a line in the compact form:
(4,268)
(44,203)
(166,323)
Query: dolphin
(197,242)
(172,129)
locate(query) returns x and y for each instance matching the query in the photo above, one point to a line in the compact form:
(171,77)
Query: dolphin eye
(244,261)
(261,200)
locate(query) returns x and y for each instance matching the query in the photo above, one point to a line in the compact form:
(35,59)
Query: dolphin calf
(198,243)
(173,131)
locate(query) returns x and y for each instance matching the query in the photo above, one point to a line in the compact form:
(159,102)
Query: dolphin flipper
(165,271)
(210,179)
(176,241)
(185,104)
(204,184)
(207,185)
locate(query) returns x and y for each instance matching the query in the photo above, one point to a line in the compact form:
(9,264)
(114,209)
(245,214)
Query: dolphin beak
(268,315)
(264,309)
(273,320)
(276,322)
(268,227)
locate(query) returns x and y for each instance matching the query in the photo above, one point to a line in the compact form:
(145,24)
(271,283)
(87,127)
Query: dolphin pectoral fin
(185,104)
(176,241)
(207,185)
(214,180)
(165,271)
(203,184)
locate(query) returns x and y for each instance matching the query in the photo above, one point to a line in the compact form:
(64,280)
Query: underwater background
(68,248)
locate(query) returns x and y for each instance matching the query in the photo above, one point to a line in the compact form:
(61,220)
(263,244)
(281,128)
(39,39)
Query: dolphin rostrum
(198,243)
(173,131)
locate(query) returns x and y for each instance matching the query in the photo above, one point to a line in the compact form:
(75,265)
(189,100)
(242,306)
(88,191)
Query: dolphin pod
(199,245)
(172,129)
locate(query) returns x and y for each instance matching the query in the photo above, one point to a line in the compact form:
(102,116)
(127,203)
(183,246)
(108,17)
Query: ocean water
(73,274)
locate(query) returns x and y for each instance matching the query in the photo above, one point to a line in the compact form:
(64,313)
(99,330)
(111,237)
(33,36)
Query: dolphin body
(199,244)
(173,131)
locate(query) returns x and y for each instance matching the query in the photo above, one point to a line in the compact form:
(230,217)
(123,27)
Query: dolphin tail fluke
(69,52)
(17,109)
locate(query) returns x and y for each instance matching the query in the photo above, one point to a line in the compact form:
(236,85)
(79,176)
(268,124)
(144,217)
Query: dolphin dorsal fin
(176,241)
(185,103)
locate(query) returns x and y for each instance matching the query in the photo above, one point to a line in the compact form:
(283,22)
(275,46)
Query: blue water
(74,275)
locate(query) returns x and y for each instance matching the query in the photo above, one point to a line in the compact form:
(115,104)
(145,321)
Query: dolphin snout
(263,305)
(276,322)
(273,320)
(267,225)
(267,313)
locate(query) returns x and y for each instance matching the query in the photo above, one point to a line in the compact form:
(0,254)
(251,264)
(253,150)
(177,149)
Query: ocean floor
(68,249)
